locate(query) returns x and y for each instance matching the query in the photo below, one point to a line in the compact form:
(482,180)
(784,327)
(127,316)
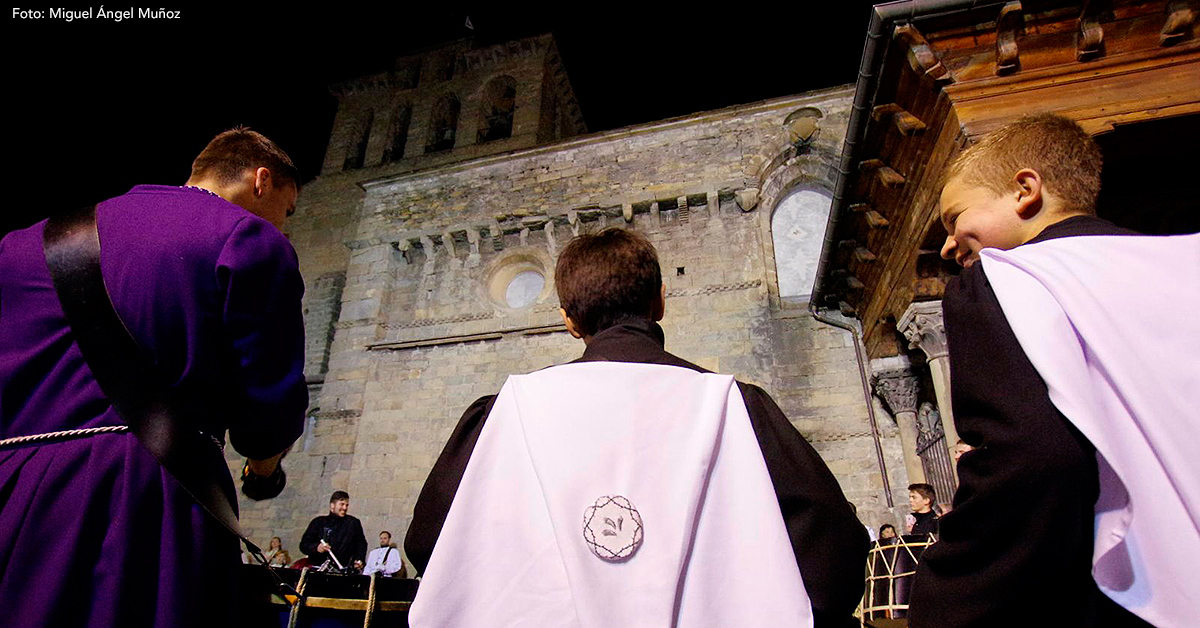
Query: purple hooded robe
(93,532)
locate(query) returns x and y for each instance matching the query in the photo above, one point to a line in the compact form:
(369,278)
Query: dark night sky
(97,106)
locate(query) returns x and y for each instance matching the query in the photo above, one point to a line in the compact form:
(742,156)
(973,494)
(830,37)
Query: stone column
(898,390)
(922,325)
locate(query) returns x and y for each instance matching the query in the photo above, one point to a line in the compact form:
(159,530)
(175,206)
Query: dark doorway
(1148,183)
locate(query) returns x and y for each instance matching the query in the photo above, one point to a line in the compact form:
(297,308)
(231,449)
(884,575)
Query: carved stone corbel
(898,390)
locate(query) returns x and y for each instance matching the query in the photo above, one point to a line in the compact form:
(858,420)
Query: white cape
(678,446)
(1112,324)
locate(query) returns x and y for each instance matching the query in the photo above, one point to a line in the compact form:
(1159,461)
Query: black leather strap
(71,244)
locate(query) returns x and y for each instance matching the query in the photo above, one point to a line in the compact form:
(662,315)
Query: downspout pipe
(883,18)
(861,358)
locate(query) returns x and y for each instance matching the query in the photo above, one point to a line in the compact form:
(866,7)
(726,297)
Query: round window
(518,281)
(524,289)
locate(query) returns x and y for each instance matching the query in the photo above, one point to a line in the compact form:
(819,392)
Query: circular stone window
(518,281)
(524,289)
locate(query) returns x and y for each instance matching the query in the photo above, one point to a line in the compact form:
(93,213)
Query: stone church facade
(428,245)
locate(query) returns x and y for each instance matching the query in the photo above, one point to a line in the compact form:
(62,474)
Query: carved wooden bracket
(853,283)
(876,220)
(921,56)
(1008,26)
(1089,39)
(858,208)
(886,174)
(1180,16)
(846,309)
(907,123)
(861,254)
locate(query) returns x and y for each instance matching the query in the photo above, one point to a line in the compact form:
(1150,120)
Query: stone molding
(829,438)
(338,414)
(922,325)
(426,322)
(714,289)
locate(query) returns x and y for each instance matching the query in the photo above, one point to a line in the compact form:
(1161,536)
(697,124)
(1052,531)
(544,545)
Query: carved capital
(922,325)
(897,389)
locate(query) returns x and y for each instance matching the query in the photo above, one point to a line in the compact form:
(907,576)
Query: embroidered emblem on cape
(612,528)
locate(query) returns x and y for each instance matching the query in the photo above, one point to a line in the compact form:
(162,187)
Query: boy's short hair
(607,278)
(339,496)
(232,152)
(1066,157)
(924,490)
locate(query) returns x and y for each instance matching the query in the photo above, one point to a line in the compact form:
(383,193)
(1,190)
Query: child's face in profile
(918,502)
(977,218)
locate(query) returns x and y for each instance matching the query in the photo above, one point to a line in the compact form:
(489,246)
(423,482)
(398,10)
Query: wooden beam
(1009,25)
(887,176)
(921,56)
(861,254)
(1178,26)
(1089,37)
(905,122)
(875,220)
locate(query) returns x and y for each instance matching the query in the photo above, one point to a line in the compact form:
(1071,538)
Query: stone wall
(420,259)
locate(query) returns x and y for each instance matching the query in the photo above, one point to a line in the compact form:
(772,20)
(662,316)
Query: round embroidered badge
(612,528)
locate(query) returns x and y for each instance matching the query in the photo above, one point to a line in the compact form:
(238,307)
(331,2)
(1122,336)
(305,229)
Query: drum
(891,566)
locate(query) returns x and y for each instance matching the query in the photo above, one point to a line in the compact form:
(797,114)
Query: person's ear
(660,304)
(1028,195)
(570,323)
(262,179)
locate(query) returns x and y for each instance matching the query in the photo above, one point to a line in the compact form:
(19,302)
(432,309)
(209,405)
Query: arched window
(399,134)
(356,152)
(443,124)
(797,230)
(496,113)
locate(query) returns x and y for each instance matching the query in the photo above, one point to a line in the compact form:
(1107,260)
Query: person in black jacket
(1017,546)
(336,532)
(923,521)
(611,292)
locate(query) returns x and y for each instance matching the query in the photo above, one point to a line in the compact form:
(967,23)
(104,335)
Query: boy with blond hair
(1079,502)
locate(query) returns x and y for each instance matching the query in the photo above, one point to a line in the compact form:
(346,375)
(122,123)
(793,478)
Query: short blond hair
(1066,157)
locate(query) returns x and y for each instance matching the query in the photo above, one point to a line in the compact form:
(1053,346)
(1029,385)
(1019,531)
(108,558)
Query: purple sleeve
(260,279)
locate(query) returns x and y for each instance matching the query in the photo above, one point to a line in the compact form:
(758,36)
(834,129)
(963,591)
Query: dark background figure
(385,559)
(210,290)
(277,556)
(338,532)
(923,521)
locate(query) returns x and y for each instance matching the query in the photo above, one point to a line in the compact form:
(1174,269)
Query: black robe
(829,542)
(345,534)
(1016,549)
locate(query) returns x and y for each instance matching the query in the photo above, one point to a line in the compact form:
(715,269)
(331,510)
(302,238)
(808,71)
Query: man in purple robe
(93,531)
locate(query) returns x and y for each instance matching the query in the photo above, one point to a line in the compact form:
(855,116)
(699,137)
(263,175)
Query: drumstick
(332,555)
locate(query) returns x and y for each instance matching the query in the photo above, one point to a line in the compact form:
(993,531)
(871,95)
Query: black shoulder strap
(71,244)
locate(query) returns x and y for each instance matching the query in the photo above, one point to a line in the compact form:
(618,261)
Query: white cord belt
(65,434)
